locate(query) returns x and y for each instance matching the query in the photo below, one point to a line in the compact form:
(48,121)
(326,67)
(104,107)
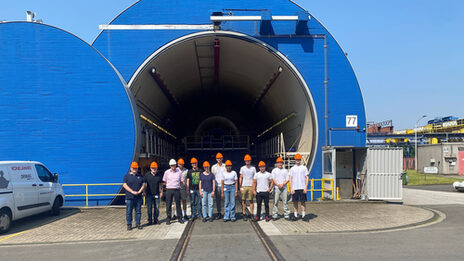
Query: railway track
(182,244)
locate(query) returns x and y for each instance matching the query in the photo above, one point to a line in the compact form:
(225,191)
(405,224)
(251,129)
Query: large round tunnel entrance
(222,91)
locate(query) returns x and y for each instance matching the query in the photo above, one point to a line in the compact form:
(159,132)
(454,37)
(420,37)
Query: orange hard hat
(219,156)
(194,160)
(247,157)
(297,156)
(154,165)
(180,161)
(206,164)
(261,164)
(134,165)
(279,159)
(228,163)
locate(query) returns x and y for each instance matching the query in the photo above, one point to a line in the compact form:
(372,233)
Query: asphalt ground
(441,241)
(444,188)
(237,241)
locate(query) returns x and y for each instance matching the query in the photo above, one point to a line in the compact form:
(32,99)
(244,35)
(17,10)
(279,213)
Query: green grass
(429,179)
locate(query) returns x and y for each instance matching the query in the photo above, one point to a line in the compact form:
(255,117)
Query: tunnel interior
(200,91)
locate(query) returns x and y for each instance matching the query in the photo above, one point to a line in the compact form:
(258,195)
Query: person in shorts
(247,173)
(299,178)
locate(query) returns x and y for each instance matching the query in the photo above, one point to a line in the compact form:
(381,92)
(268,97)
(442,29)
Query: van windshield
(44,174)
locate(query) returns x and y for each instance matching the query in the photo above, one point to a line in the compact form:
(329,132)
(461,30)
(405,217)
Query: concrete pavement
(237,241)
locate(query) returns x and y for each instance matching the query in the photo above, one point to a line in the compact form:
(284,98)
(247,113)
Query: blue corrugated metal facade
(63,104)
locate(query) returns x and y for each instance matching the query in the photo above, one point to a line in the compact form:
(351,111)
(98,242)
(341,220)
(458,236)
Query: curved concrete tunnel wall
(246,66)
(308,46)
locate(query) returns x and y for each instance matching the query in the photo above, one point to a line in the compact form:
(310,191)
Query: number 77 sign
(351,121)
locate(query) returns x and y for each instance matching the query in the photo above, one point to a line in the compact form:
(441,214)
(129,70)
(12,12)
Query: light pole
(415,140)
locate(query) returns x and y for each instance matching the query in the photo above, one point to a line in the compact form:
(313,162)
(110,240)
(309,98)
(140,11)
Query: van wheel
(56,207)
(5,221)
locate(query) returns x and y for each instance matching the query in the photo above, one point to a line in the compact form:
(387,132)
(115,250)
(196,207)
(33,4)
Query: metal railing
(87,195)
(311,189)
(226,142)
(323,188)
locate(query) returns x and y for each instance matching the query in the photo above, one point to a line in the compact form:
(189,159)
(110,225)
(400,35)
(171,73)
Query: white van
(27,188)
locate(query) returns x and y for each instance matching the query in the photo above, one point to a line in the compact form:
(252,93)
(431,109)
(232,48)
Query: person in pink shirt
(173,180)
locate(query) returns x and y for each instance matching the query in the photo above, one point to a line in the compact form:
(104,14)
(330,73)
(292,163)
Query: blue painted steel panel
(70,110)
(62,103)
(127,49)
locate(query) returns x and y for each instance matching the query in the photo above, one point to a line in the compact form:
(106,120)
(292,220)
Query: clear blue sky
(408,55)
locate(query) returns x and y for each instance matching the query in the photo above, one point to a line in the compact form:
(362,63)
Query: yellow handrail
(87,195)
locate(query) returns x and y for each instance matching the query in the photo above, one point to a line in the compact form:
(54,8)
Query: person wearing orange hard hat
(134,186)
(153,184)
(299,178)
(193,179)
(183,188)
(247,173)
(207,188)
(280,178)
(218,169)
(262,186)
(173,179)
(229,190)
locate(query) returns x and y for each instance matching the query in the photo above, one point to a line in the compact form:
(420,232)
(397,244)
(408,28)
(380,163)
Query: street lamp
(415,140)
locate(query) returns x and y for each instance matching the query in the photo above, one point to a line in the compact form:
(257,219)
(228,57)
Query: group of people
(215,183)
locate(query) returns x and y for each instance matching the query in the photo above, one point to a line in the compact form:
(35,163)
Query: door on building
(328,171)
(461,161)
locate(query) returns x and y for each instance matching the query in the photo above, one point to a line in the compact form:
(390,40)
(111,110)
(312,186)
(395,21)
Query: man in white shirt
(280,177)
(262,186)
(299,178)
(183,188)
(247,174)
(217,170)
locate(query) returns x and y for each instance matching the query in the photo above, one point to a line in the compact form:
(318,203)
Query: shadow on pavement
(39,220)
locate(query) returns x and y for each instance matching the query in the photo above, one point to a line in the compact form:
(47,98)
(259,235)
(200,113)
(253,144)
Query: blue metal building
(168,78)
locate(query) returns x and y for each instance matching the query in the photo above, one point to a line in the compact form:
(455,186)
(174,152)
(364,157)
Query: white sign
(450,124)
(351,121)
(431,170)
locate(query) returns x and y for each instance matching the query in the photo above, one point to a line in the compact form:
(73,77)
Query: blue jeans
(207,202)
(217,194)
(153,204)
(131,204)
(229,202)
(195,203)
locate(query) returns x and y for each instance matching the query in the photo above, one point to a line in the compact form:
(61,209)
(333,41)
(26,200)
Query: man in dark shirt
(134,186)
(153,182)
(193,178)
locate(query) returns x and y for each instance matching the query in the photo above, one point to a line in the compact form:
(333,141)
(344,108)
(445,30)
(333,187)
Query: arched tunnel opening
(225,92)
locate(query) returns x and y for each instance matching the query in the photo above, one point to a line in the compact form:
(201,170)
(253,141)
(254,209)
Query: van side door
(25,189)
(6,188)
(45,186)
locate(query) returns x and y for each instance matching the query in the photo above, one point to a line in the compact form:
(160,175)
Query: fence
(311,190)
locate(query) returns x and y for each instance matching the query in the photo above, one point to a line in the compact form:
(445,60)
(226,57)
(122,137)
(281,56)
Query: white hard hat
(172,162)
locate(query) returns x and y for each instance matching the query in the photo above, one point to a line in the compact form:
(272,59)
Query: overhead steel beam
(156,27)
(268,86)
(217,47)
(218,18)
(164,88)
